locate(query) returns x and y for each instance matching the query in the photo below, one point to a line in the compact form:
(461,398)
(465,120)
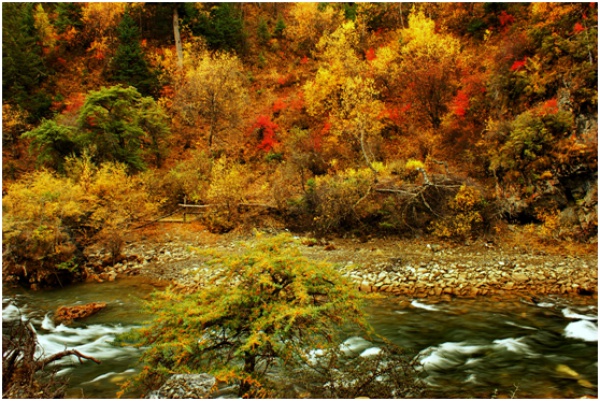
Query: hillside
(455,121)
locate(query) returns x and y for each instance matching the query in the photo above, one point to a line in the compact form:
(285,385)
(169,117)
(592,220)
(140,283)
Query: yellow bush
(341,201)
(465,217)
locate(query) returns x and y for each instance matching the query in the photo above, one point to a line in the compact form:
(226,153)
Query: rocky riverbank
(410,268)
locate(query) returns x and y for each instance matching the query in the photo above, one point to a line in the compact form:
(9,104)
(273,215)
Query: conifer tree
(129,65)
(23,68)
(68,15)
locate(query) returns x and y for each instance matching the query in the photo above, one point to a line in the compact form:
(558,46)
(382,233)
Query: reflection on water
(462,349)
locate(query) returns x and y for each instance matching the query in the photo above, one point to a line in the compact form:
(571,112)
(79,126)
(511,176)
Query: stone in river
(182,386)
(66,314)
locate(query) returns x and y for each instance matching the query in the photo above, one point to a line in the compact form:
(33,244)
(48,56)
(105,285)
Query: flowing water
(465,348)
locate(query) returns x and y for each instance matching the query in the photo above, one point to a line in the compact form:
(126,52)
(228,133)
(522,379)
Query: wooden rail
(186,206)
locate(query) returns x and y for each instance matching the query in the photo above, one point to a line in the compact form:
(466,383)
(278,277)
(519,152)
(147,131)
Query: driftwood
(24,375)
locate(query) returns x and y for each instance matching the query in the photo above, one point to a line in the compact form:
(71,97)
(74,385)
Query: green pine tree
(129,65)
(23,68)
(68,15)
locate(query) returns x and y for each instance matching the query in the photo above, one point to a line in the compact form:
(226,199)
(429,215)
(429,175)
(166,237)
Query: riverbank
(414,268)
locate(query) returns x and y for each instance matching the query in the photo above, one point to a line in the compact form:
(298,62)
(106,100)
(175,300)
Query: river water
(464,348)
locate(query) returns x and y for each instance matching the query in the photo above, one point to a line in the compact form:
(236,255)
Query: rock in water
(66,314)
(188,386)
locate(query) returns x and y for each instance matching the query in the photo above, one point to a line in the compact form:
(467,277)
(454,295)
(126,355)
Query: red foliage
(284,80)
(578,28)
(549,107)
(167,91)
(370,55)
(267,130)
(506,18)
(396,114)
(460,103)
(279,105)
(304,60)
(99,55)
(316,141)
(518,64)
(326,128)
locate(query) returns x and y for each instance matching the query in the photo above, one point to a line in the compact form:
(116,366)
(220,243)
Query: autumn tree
(428,67)
(213,92)
(341,91)
(270,306)
(308,22)
(51,219)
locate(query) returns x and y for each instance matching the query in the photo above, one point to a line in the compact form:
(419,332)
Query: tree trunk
(249,366)
(177,38)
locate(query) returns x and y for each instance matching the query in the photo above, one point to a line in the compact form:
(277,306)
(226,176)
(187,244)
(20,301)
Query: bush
(340,201)
(49,220)
(226,191)
(465,218)
(41,215)
(267,307)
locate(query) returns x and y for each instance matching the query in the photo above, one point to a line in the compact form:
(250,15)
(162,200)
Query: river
(464,348)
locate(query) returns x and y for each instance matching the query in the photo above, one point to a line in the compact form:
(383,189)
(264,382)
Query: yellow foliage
(465,217)
(421,40)
(227,183)
(412,165)
(214,92)
(307,23)
(44,27)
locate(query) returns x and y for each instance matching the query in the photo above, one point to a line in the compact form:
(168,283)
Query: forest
(455,121)
(445,123)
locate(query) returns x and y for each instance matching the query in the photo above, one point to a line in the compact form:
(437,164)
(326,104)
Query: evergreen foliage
(114,124)
(223,28)
(279,27)
(263,32)
(23,67)
(129,65)
(68,15)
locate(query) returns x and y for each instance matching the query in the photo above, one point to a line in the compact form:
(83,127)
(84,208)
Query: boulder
(188,386)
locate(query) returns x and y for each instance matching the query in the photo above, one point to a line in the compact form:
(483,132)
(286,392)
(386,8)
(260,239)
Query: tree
(269,306)
(308,22)
(23,67)
(221,25)
(340,92)
(68,15)
(53,142)
(114,124)
(129,65)
(428,67)
(215,92)
(116,121)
